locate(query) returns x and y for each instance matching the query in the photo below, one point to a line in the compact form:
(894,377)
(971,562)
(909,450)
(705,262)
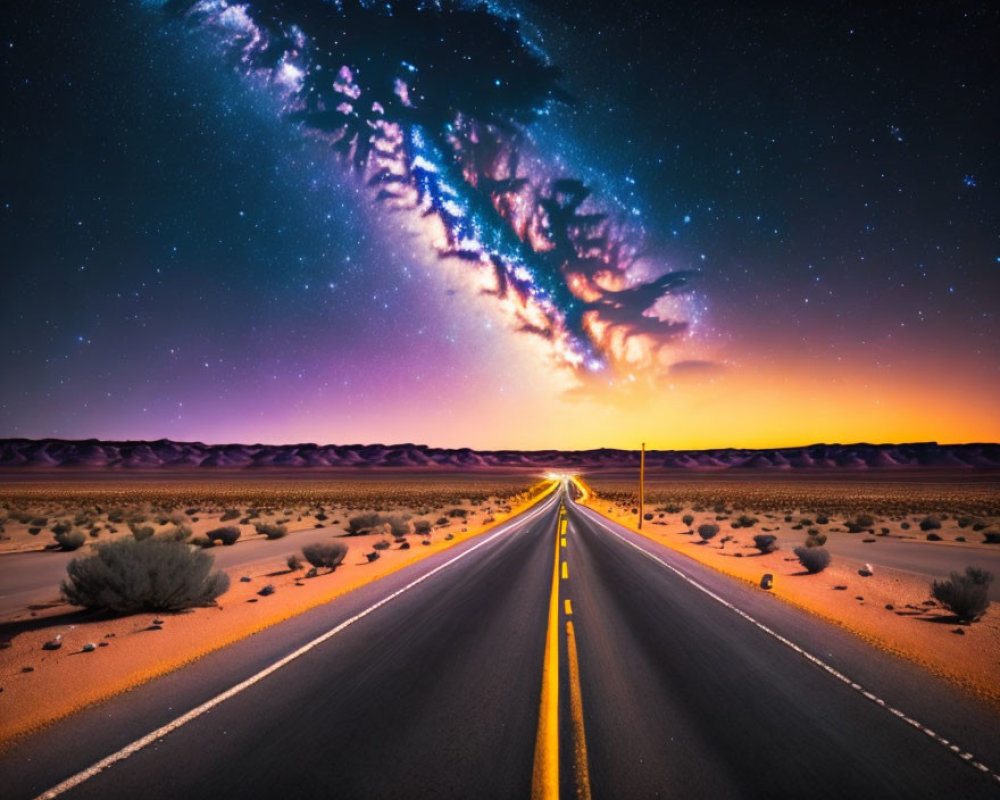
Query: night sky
(559,225)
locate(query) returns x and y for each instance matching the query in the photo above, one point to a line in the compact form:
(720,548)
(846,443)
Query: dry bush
(128,576)
(966,596)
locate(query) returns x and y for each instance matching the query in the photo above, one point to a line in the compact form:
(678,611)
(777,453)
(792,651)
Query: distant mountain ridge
(164,453)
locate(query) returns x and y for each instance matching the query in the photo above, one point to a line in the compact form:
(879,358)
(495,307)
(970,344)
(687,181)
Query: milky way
(431,106)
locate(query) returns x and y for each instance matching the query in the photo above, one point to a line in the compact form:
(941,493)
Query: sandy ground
(891,609)
(38,686)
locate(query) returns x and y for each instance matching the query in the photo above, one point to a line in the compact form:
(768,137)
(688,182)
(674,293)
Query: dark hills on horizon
(167,454)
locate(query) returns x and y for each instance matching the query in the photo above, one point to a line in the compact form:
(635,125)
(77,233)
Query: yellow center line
(581,767)
(565,571)
(545,775)
(563,541)
(569,608)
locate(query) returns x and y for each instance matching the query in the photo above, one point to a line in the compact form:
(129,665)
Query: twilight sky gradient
(183,259)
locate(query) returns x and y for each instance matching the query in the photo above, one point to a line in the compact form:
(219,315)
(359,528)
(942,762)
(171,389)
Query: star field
(179,260)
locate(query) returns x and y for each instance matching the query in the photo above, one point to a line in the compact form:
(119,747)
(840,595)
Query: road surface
(442,679)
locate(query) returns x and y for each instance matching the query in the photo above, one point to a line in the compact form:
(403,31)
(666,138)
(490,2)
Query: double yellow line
(545,777)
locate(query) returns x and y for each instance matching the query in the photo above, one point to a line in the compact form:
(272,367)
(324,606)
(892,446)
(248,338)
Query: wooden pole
(642,481)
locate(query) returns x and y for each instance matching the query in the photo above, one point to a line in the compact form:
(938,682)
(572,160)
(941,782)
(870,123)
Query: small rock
(890,607)
(859,597)
(959,631)
(53,644)
(840,588)
(264,591)
(252,600)
(27,669)
(244,579)
(109,636)
(103,644)
(89,647)
(157,621)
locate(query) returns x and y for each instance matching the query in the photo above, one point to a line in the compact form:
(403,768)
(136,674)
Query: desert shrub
(127,576)
(822,519)
(746,521)
(116,515)
(271,531)
(321,516)
(328,555)
(422,527)
(813,559)
(40,522)
(140,532)
(227,534)
(34,531)
(965,522)
(294,562)
(816,539)
(382,544)
(178,533)
(404,545)
(966,596)
(933,537)
(61,527)
(904,525)
(930,524)
(765,542)
(707,530)
(398,526)
(200,541)
(991,537)
(458,513)
(861,522)
(363,523)
(687,519)
(647,516)
(228,514)
(71,539)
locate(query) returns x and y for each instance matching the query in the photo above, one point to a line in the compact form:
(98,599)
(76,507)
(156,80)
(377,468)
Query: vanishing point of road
(557,655)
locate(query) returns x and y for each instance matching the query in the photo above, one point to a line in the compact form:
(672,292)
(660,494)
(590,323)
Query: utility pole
(642,481)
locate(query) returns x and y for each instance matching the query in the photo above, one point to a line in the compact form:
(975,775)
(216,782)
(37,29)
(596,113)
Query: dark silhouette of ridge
(165,454)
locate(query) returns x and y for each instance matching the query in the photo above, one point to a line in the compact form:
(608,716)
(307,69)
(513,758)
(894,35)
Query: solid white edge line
(159,733)
(966,756)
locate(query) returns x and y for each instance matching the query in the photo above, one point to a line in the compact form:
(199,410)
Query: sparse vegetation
(707,530)
(271,531)
(813,559)
(71,539)
(765,542)
(227,535)
(325,555)
(128,576)
(966,596)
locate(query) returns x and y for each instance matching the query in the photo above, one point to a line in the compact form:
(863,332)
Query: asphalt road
(683,696)
(436,693)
